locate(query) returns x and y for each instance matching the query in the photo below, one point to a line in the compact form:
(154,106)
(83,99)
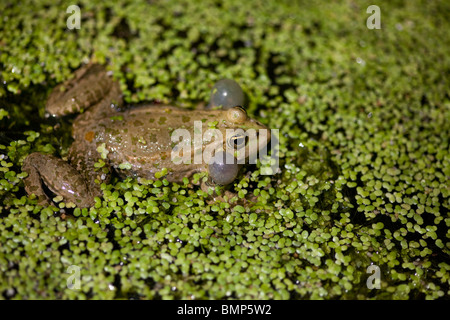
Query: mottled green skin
(139,138)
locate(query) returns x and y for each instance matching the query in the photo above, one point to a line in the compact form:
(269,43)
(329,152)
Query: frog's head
(243,138)
(247,136)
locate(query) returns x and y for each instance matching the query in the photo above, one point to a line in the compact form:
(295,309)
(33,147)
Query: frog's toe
(221,171)
(226,93)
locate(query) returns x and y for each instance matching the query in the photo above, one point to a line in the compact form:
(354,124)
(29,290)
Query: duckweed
(364,161)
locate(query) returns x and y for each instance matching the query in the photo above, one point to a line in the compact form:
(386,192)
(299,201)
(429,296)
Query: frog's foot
(208,187)
(91,85)
(59,177)
(224,195)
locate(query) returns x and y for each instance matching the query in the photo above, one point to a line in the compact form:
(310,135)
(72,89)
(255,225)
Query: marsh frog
(134,142)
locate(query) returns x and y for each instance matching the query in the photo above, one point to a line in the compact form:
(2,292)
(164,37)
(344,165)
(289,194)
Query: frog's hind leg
(77,182)
(59,176)
(91,85)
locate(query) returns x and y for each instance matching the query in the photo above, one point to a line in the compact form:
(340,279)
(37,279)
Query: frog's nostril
(257,123)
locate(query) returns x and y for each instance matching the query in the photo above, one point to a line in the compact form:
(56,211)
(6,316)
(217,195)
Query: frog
(132,141)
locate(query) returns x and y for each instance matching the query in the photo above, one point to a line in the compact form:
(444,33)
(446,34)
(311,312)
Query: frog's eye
(238,141)
(237,115)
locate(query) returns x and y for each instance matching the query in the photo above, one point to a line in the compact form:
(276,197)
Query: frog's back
(140,137)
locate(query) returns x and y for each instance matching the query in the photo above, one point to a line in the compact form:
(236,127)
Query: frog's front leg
(59,176)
